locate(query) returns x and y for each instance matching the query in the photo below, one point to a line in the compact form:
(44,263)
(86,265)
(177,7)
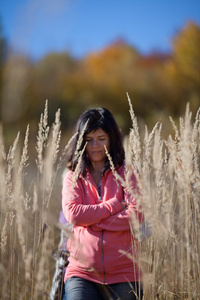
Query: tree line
(159,84)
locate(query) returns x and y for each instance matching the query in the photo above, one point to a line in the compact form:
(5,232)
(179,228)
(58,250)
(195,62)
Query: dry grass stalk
(2,148)
(10,163)
(2,173)
(4,236)
(42,137)
(24,156)
(4,291)
(52,152)
(118,178)
(64,151)
(80,141)
(20,218)
(78,167)
(35,199)
(148,139)
(28,265)
(175,128)
(134,137)
(42,278)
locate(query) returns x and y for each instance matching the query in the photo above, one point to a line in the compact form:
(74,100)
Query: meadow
(30,201)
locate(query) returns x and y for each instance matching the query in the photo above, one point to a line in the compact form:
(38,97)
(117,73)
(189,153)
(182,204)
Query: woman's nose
(95,143)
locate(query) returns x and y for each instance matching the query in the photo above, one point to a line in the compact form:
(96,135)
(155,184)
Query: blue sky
(37,27)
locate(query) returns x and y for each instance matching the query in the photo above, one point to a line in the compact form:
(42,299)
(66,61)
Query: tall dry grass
(169,178)
(29,205)
(170,182)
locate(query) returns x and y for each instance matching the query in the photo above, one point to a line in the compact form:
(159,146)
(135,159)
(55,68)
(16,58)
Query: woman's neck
(97,167)
(96,172)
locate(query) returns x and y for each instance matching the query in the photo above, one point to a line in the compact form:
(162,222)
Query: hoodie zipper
(102,247)
(103,261)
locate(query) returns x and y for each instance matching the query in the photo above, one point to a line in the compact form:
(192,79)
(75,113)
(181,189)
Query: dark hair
(97,118)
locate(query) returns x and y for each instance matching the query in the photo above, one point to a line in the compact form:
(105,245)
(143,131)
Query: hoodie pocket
(129,238)
(73,244)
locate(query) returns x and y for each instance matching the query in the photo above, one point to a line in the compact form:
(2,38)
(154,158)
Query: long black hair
(97,118)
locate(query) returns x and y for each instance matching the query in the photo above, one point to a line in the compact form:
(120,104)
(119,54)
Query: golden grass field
(30,201)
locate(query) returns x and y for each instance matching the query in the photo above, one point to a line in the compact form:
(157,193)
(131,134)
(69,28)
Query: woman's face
(96,140)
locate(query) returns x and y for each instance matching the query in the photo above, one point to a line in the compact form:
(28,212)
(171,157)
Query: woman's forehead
(97,132)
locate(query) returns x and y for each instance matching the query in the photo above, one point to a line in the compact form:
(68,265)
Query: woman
(100,208)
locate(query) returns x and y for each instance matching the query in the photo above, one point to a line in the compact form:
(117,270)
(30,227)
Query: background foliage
(159,84)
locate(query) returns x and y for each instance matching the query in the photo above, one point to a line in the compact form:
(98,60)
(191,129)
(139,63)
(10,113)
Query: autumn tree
(107,74)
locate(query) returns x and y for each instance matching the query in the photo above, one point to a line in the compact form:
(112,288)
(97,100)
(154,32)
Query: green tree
(47,81)
(186,54)
(183,69)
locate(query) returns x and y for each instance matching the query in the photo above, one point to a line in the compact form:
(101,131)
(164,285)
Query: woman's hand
(123,204)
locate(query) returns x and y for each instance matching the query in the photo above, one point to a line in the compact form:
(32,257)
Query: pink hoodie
(101,229)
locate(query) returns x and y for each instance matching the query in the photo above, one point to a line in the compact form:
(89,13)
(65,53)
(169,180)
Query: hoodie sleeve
(131,216)
(81,214)
(117,222)
(122,220)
